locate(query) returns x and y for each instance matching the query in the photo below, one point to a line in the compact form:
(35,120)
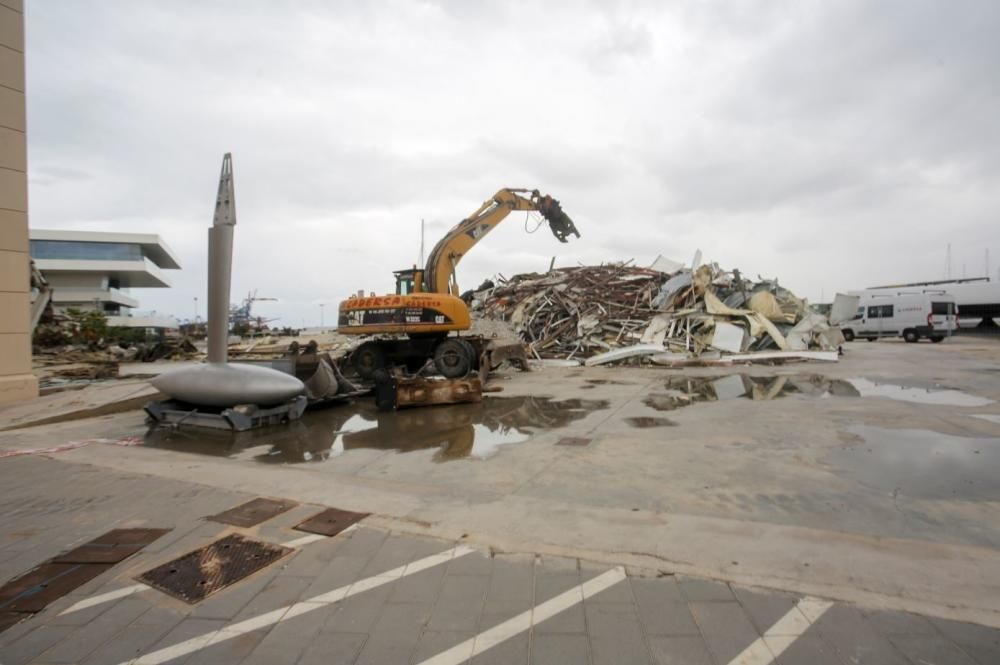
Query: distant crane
(241,317)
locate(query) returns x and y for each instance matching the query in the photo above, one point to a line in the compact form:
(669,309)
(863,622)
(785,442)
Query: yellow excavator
(426,306)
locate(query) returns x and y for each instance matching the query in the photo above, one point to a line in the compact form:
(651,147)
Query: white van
(907,315)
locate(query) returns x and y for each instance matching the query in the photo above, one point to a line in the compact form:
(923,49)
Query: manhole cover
(330,522)
(114,546)
(37,588)
(573,441)
(201,573)
(253,512)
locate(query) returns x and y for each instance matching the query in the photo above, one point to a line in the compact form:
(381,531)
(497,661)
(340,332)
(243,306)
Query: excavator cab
(406,281)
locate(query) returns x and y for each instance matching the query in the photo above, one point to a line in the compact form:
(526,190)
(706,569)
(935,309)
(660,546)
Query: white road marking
(764,650)
(104,598)
(124,592)
(281,614)
(522,622)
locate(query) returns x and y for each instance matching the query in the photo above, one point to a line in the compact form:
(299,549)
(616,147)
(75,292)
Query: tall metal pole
(220,263)
(421,264)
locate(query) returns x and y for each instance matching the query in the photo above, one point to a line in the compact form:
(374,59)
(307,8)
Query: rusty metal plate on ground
(112,547)
(142,536)
(573,441)
(330,522)
(253,512)
(48,582)
(200,573)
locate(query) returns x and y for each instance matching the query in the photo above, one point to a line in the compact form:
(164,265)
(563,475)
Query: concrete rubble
(615,312)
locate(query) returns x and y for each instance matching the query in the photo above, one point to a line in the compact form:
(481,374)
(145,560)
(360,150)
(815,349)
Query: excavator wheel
(454,358)
(366,359)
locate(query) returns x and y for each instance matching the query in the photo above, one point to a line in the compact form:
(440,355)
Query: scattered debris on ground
(614,312)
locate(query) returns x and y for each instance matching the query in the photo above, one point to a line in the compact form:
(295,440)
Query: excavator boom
(440,269)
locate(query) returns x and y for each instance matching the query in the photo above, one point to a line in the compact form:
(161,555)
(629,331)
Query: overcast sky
(834,145)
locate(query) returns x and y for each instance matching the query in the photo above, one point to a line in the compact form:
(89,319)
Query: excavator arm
(439,272)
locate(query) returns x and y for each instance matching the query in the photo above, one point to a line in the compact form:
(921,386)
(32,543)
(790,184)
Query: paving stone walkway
(374,597)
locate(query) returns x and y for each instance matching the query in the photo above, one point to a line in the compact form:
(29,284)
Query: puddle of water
(680,391)
(922,464)
(940,397)
(647,421)
(455,431)
(609,382)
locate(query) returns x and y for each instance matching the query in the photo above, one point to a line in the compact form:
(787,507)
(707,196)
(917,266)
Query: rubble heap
(611,312)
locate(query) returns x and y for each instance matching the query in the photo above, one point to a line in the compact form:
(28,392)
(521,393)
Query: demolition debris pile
(611,312)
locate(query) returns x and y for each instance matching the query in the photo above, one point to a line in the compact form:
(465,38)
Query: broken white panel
(553,362)
(670,288)
(844,308)
(624,353)
(729,387)
(656,331)
(663,264)
(798,338)
(728,337)
(831,338)
(696,261)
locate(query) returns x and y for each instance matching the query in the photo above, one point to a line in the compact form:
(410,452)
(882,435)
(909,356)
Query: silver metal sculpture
(218,383)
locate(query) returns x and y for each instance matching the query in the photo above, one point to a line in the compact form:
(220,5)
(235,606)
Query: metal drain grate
(253,512)
(112,547)
(573,441)
(200,573)
(330,522)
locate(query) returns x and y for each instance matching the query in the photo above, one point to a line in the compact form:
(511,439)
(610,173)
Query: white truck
(931,315)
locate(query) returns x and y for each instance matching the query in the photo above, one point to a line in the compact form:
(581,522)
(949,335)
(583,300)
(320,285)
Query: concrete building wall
(16,380)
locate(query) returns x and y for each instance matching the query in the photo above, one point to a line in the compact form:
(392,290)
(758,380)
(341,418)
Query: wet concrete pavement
(799,478)
(371,595)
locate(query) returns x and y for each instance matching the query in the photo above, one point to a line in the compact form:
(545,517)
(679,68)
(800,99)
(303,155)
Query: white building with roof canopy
(91,270)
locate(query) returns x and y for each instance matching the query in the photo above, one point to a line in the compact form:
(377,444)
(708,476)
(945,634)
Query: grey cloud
(792,138)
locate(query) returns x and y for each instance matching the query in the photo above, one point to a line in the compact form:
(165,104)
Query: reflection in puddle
(919,395)
(922,464)
(456,431)
(680,391)
(647,421)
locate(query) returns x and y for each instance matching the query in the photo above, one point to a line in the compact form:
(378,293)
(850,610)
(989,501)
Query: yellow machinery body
(426,306)
(412,313)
